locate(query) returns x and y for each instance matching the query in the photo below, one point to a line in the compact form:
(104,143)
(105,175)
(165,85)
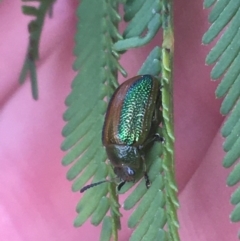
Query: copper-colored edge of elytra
(110,127)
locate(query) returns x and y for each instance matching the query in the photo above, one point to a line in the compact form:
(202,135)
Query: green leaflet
(152,64)
(153,232)
(134,11)
(231,97)
(161,235)
(89,171)
(106,229)
(226,56)
(208,3)
(101,210)
(235,198)
(232,120)
(140,191)
(234,176)
(148,220)
(225,40)
(232,137)
(131,8)
(229,78)
(135,42)
(224,17)
(87,207)
(139,23)
(216,11)
(235,215)
(232,155)
(146,201)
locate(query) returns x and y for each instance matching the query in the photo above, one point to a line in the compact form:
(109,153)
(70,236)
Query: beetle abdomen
(129,115)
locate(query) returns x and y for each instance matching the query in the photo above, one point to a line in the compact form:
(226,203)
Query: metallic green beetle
(132,118)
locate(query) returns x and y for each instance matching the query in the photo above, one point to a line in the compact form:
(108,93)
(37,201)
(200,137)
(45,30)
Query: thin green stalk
(167,97)
(115,212)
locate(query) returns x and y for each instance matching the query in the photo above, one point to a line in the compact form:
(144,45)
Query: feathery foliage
(95,62)
(35,30)
(224,18)
(97,45)
(97,50)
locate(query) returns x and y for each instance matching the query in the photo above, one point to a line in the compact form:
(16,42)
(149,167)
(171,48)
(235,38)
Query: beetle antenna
(96,184)
(92,185)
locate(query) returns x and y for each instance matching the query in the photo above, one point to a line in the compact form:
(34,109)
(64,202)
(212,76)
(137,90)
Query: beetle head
(127,164)
(126,161)
(125,173)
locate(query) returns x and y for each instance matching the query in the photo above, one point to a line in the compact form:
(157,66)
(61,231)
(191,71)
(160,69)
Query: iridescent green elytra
(134,109)
(131,123)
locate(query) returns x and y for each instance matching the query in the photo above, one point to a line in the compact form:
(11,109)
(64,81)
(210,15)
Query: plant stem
(167,98)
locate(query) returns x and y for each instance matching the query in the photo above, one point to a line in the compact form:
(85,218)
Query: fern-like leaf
(96,79)
(98,62)
(153,206)
(35,30)
(225,55)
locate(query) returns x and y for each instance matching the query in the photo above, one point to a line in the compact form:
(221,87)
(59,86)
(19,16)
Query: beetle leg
(147,181)
(120,185)
(157,116)
(155,137)
(158,138)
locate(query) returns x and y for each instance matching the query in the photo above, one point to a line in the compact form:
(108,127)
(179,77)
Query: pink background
(36,201)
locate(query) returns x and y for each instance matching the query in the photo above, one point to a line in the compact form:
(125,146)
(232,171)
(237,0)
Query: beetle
(130,127)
